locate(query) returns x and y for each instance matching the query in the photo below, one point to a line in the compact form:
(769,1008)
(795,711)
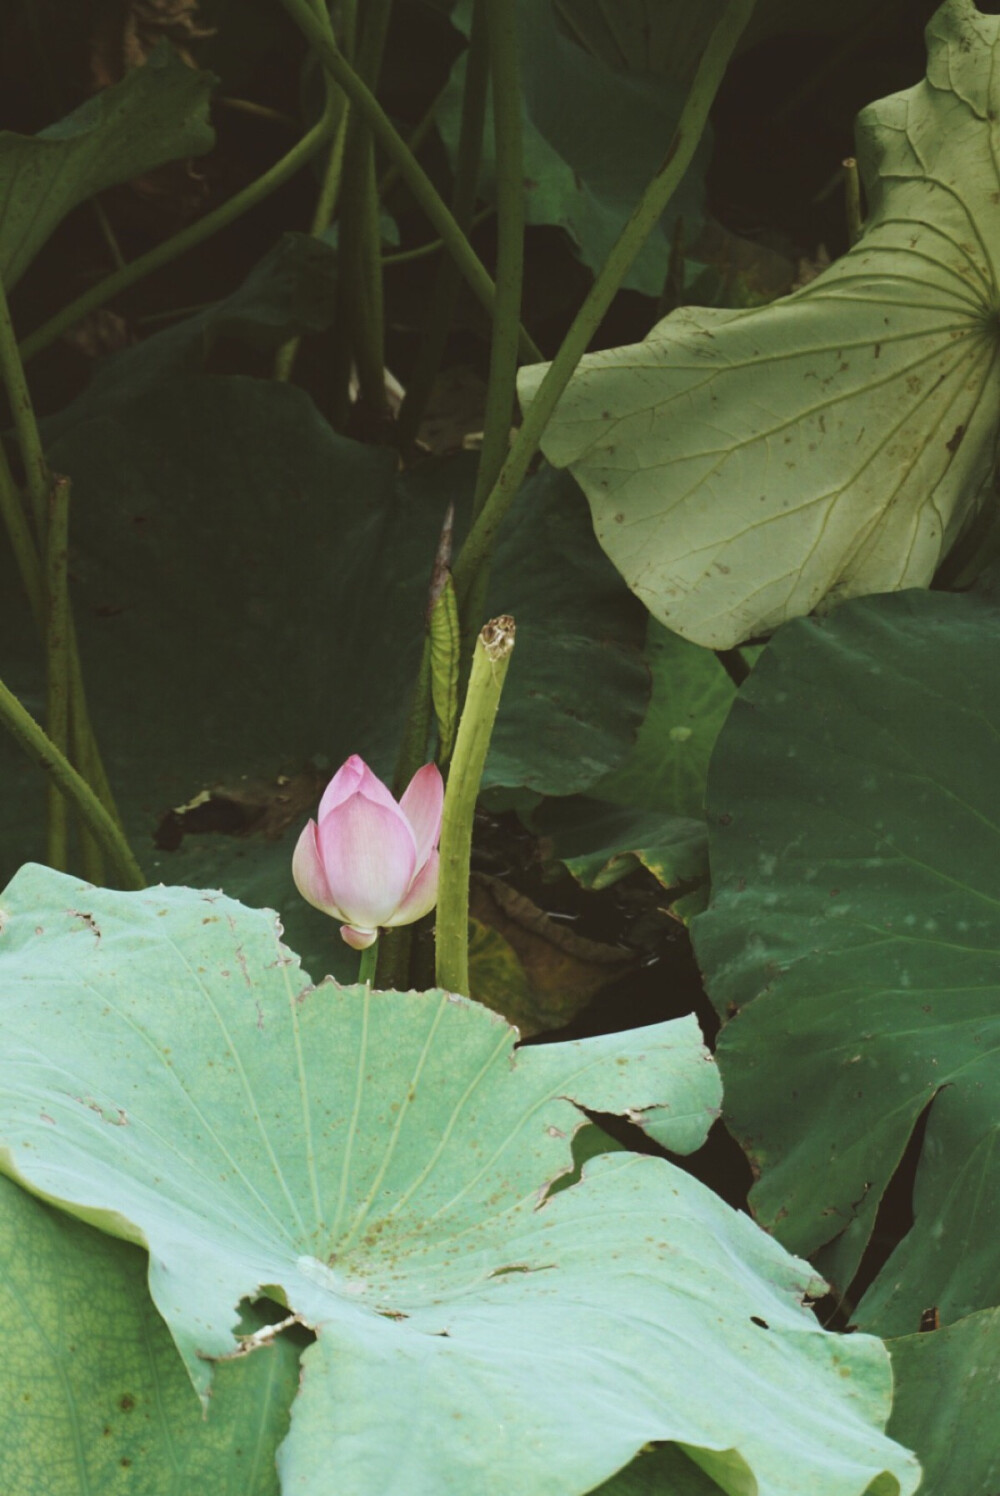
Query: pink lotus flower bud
(367,860)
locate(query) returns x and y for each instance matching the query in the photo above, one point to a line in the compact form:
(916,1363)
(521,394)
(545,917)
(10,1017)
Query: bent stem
(369,961)
(490,660)
(38,746)
(649,210)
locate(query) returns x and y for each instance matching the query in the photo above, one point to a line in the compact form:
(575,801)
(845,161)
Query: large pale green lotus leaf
(157,113)
(592,140)
(946,1404)
(747,467)
(94,1399)
(854,824)
(380,1162)
(250,592)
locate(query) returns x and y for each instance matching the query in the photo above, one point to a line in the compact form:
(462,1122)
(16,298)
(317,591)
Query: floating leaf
(93,1395)
(746,467)
(380,1162)
(157,113)
(854,804)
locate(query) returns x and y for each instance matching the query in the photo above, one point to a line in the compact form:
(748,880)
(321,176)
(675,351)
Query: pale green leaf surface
(747,467)
(94,1399)
(854,836)
(157,113)
(380,1162)
(946,1404)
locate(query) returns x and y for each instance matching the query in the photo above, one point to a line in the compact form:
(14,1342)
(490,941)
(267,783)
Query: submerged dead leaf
(529,967)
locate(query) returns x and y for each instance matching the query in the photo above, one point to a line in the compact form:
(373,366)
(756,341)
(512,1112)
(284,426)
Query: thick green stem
(36,469)
(22,543)
(29,568)
(489,667)
(57,658)
(37,745)
(395,147)
(360,317)
(441,307)
(505,76)
(163,254)
(369,961)
(326,205)
(39,481)
(852,200)
(479,544)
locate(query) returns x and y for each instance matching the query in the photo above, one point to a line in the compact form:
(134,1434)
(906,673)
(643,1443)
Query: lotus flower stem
(481,539)
(102,826)
(396,149)
(369,961)
(490,660)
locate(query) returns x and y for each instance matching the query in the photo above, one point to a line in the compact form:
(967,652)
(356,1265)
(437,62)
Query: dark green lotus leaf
(600,843)
(593,138)
(157,113)
(95,1400)
(250,591)
(854,930)
(946,1404)
(667,768)
(289,293)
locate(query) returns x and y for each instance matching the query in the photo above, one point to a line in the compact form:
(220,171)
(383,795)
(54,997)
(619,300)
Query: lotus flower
(367,860)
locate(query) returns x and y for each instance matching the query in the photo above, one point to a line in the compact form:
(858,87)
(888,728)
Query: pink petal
(360,940)
(421,804)
(353,778)
(421,896)
(343,784)
(369,858)
(307,870)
